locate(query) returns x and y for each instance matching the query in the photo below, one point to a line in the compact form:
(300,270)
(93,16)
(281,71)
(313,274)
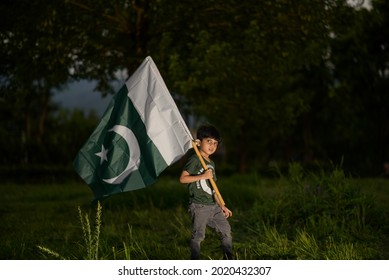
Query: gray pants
(212,216)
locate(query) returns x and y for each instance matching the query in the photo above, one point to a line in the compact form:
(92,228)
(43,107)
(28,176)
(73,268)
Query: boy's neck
(204,155)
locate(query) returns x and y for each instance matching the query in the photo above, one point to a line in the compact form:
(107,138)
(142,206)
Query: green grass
(299,216)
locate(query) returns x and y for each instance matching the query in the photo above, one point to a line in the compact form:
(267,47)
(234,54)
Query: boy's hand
(208,174)
(227,212)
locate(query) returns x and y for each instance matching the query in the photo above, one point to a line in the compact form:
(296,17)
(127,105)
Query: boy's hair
(208,131)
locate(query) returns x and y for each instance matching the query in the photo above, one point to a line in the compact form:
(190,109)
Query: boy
(204,206)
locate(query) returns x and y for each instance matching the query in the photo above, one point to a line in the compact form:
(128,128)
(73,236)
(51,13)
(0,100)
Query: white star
(102,155)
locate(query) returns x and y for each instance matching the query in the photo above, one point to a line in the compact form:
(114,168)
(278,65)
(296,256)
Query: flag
(140,134)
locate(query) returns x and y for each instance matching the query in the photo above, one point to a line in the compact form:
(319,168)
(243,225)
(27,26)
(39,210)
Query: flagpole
(205,168)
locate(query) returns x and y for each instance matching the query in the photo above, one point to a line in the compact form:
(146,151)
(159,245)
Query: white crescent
(133,146)
(203,183)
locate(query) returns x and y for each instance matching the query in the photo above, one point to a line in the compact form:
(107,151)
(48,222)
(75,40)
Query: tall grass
(300,215)
(316,216)
(91,237)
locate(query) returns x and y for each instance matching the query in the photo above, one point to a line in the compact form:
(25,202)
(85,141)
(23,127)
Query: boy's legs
(222,226)
(200,215)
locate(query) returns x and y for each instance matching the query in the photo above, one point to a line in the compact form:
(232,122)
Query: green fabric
(97,167)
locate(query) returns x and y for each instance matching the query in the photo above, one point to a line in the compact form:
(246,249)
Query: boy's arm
(227,212)
(187,178)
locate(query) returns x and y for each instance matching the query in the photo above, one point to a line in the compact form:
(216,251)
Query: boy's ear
(198,142)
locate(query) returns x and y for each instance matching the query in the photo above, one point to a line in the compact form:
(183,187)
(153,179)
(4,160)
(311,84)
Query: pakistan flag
(139,135)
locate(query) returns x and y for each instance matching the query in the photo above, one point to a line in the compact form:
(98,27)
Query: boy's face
(208,145)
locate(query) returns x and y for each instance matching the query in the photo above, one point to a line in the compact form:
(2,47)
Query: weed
(91,237)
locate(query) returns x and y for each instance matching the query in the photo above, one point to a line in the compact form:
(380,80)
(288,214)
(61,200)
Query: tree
(243,65)
(271,74)
(357,118)
(34,61)
(45,45)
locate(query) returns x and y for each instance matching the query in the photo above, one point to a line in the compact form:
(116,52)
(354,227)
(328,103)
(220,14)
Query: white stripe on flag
(158,111)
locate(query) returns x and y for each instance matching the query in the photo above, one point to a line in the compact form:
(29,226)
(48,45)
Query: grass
(298,216)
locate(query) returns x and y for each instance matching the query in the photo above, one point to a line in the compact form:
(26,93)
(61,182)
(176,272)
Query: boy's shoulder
(192,163)
(193,158)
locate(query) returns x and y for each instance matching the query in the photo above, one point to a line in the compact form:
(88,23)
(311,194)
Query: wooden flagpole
(205,168)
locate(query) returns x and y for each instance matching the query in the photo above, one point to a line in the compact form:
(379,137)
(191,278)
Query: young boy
(204,206)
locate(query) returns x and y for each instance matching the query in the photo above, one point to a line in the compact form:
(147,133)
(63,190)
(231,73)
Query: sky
(366,3)
(80,95)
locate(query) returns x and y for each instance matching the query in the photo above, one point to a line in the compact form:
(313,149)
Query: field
(301,215)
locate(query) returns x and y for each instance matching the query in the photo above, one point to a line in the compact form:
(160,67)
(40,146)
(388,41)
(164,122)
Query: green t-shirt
(200,191)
